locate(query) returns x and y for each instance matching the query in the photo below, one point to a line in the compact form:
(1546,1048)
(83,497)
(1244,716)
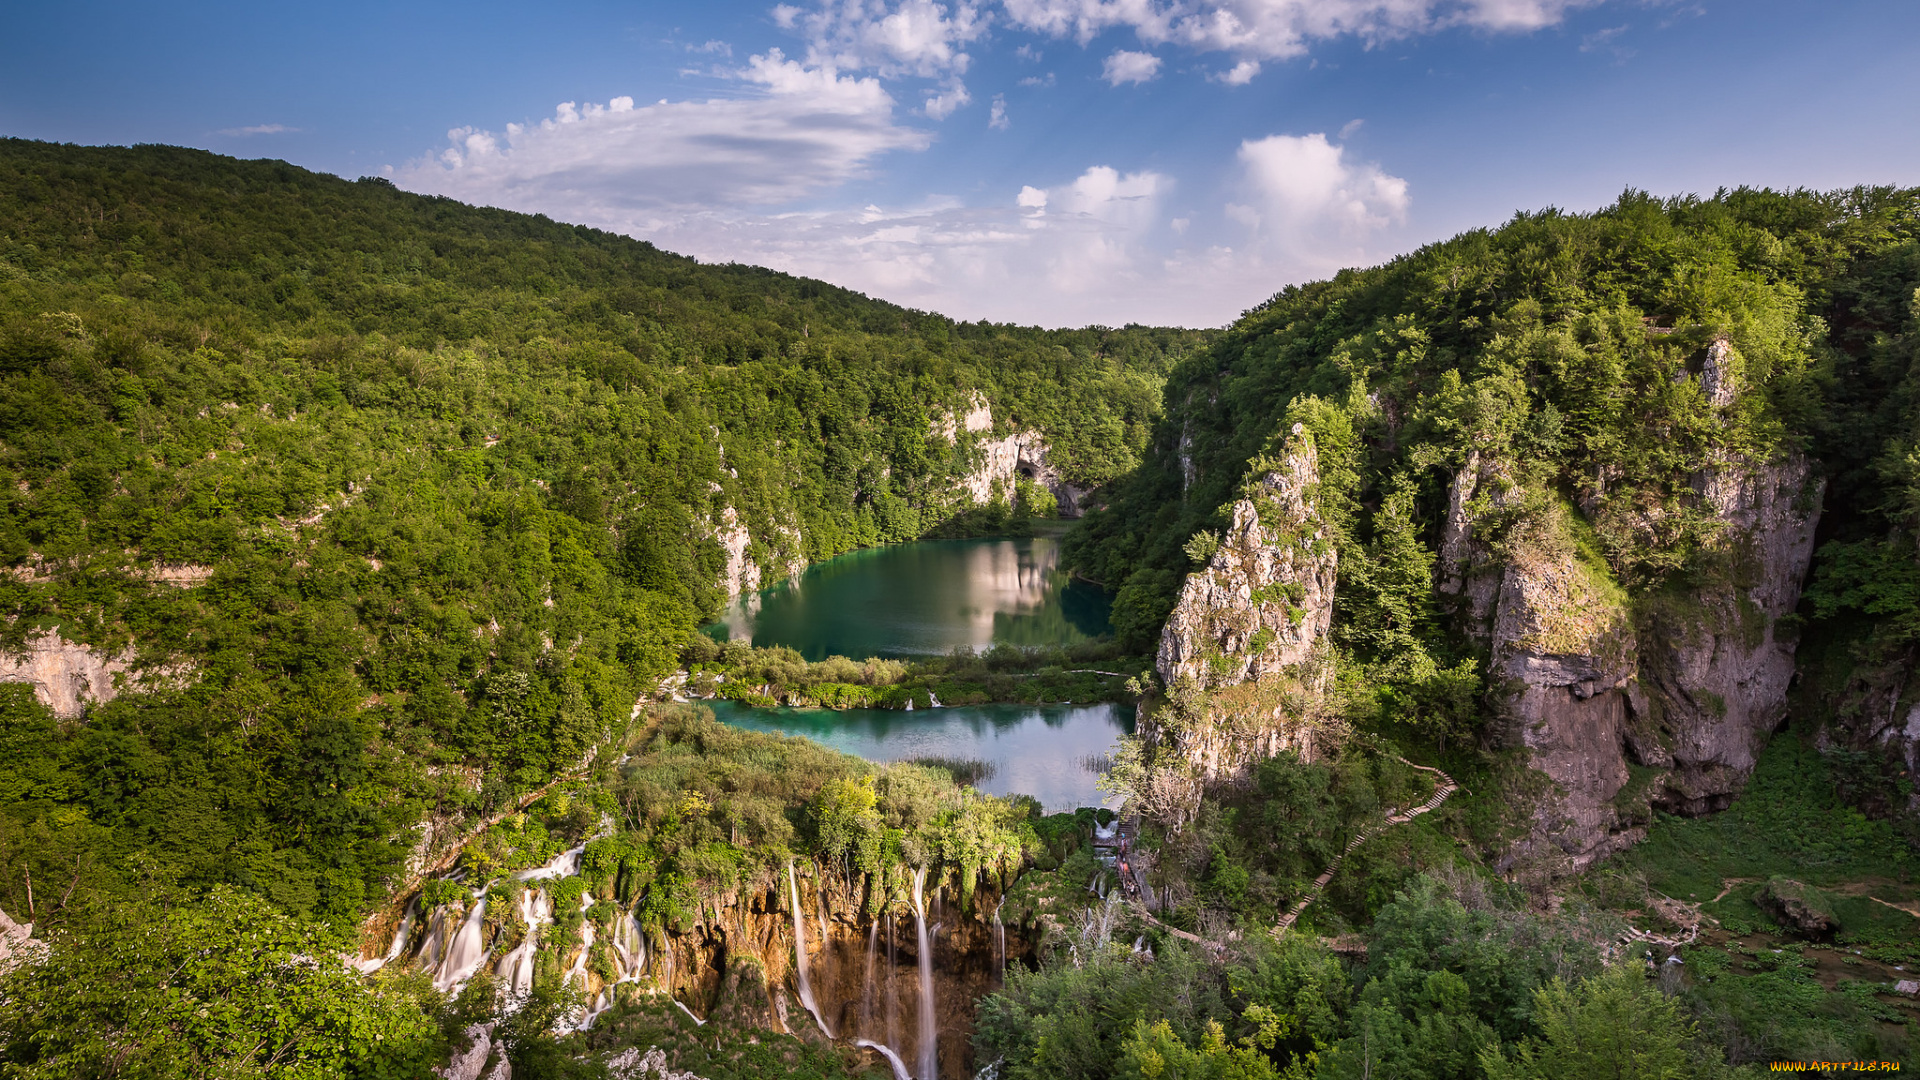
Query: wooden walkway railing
(1441,793)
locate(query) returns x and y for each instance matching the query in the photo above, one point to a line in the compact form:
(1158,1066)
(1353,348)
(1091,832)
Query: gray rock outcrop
(1243,652)
(1265,596)
(1686,685)
(1003,462)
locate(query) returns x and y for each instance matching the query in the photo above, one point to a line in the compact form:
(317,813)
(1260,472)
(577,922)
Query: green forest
(387,515)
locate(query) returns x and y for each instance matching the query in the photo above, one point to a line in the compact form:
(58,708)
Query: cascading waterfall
(467,952)
(929,1033)
(516,968)
(800,952)
(933,700)
(368,967)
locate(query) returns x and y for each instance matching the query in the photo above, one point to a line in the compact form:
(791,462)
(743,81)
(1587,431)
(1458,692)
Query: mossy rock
(1797,907)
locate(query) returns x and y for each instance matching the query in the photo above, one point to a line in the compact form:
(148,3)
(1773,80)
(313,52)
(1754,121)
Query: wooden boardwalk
(1441,793)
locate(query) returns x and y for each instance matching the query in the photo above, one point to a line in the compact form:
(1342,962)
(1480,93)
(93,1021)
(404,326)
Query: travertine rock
(1266,595)
(1005,460)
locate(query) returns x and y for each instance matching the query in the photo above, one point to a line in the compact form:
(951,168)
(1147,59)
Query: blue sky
(1050,161)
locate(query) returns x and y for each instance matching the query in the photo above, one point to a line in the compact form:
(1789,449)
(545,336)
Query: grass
(1788,822)
(967,772)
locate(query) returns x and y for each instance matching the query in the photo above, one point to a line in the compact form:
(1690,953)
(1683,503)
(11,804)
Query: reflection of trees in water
(923,598)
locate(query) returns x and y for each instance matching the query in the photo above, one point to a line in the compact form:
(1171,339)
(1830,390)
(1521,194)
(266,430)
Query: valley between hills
(442,641)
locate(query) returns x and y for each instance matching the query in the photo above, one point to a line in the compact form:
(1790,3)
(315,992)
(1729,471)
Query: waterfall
(909,704)
(367,967)
(516,968)
(800,953)
(565,864)
(999,944)
(934,700)
(697,1022)
(580,962)
(866,992)
(899,1067)
(893,999)
(929,1033)
(468,950)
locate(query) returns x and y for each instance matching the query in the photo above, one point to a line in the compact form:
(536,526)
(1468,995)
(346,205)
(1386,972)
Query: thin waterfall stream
(929,1027)
(800,953)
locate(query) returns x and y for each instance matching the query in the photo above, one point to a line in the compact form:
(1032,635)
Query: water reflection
(1046,751)
(923,599)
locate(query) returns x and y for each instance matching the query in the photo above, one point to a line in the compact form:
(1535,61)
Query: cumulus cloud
(1239,74)
(942,105)
(911,37)
(1309,203)
(997,117)
(807,129)
(1130,67)
(1278,29)
(257,129)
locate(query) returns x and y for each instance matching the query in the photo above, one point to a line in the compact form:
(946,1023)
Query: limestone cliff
(1715,669)
(1248,628)
(1684,683)
(1002,462)
(66,676)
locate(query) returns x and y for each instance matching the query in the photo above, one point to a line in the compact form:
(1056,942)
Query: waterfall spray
(999,943)
(866,991)
(800,953)
(929,1032)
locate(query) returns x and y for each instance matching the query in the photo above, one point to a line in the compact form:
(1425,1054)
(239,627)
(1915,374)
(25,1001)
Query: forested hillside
(1533,619)
(375,493)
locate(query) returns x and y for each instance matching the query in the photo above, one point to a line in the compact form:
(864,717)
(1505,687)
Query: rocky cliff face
(779,552)
(1004,461)
(1685,685)
(1248,627)
(66,676)
(1266,595)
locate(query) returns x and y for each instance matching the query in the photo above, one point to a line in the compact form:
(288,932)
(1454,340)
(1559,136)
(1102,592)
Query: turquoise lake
(926,599)
(923,599)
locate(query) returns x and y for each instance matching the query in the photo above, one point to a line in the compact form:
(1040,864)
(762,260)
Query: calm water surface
(926,599)
(1038,750)
(923,599)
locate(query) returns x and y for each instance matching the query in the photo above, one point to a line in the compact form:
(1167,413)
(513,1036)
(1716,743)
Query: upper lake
(923,599)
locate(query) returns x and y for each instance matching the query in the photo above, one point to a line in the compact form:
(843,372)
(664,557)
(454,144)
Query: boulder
(1797,907)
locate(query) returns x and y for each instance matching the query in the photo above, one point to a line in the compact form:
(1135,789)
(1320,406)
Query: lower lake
(927,599)
(1054,753)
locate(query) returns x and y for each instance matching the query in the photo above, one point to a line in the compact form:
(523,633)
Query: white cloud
(1279,29)
(258,129)
(1311,206)
(997,119)
(941,105)
(912,37)
(1240,74)
(1347,129)
(1079,252)
(1130,67)
(806,129)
